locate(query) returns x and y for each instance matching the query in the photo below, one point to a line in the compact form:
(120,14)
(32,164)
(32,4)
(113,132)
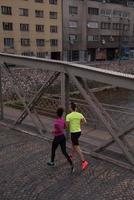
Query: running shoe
(91,171)
(50,163)
(84,164)
(72,169)
(71,157)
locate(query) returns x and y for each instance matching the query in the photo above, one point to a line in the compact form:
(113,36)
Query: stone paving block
(24,174)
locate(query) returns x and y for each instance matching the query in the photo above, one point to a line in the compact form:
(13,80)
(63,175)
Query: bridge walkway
(90,138)
(25,175)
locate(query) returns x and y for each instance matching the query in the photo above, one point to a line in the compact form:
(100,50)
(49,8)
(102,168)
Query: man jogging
(74,121)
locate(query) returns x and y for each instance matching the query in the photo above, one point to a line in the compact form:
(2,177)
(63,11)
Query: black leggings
(62,141)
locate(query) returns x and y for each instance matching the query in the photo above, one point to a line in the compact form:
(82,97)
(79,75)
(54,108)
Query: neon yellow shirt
(74,119)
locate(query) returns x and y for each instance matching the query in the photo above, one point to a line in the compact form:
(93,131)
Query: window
(53,29)
(53,2)
(41,54)
(27,53)
(105,25)
(39,13)
(102,12)
(53,15)
(125,38)
(108,12)
(121,26)
(5,10)
(73,10)
(125,14)
(105,12)
(54,42)
(126,27)
(24,27)
(23,11)
(7,26)
(40,42)
(39,1)
(105,38)
(130,4)
(116,26)
(117,13)
(73,24)
(39,28)
(115,38)
(93,38)
(25,42)
(73,55)
(9,42)
(131,54)
(93,11)
(92,25)
(73,38)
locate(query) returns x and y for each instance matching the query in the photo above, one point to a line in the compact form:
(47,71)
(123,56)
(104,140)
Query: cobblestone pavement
(24,174)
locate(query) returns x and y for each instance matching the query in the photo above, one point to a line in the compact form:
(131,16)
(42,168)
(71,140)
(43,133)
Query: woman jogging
(59,139)
(74,121)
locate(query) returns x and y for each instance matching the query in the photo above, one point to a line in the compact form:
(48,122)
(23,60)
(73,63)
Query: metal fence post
(1,98)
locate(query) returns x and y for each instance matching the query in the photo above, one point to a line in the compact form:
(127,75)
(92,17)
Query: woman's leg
(55,144)
(63,148)
(73,151)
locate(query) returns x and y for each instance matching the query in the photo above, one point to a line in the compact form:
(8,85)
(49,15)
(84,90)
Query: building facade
(31,27)
(97,29)
(73,30)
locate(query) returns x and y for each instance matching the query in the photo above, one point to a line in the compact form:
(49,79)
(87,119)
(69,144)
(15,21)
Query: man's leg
(75,143)
(73,151)
(84,162)
(78,150)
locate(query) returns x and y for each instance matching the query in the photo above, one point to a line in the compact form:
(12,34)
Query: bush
(15,104)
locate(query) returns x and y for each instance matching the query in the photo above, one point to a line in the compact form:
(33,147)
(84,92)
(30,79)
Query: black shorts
(75,137)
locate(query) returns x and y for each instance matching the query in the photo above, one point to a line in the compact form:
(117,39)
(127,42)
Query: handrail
(87,72)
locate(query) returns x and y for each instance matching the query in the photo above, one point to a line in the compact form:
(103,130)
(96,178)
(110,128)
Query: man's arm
(83,120)
(67,130)
(67,125)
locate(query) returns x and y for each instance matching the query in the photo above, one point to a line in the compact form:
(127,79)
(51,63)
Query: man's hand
(83,120)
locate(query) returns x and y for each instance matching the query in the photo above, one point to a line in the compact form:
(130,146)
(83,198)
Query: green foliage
(15,104)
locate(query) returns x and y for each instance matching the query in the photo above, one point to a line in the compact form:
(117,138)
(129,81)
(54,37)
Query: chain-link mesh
(30,80)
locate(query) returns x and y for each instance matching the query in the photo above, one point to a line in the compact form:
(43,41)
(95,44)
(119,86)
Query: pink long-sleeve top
(59,126)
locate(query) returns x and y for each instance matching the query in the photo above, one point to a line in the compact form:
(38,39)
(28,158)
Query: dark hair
(60,111)
(73,106)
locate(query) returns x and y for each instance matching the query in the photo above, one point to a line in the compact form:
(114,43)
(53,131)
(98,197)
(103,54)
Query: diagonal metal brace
(37,97)
(17,91)
(99,112)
